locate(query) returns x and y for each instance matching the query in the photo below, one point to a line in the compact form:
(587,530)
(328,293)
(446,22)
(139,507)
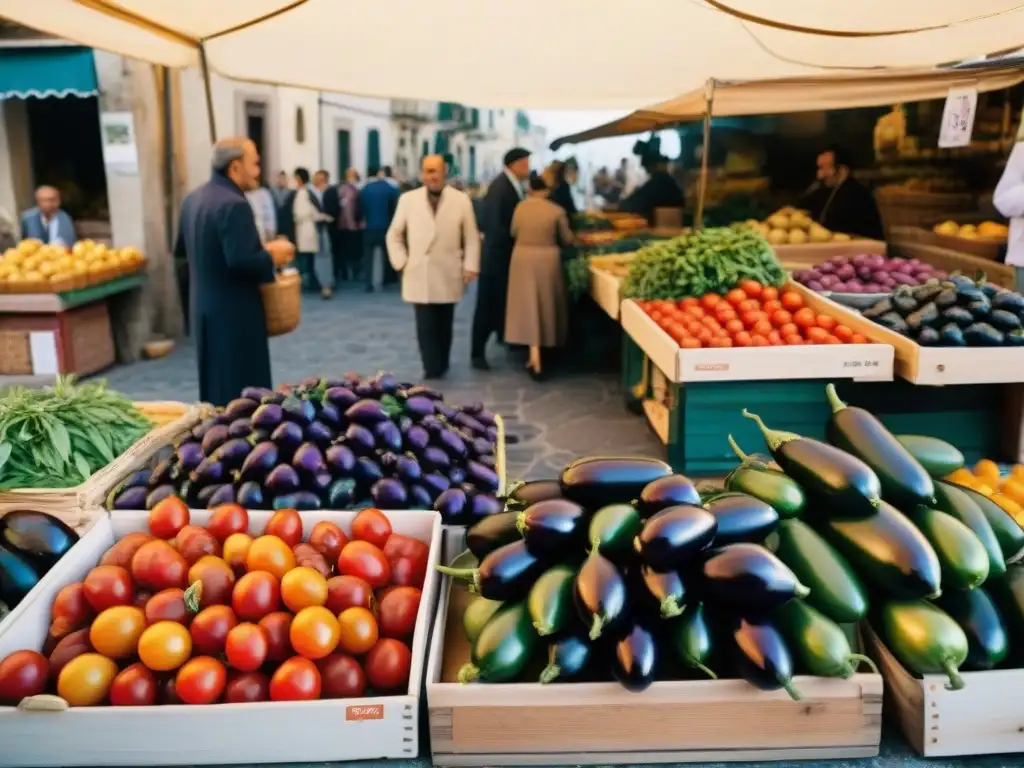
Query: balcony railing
(414,109)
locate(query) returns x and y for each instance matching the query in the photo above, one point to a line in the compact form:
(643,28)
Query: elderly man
(227,265)
(47,222)
(434,243)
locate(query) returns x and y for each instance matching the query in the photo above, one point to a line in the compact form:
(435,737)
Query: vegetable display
(331,444)
(792,226)
(866,273)
(986,479)
(954,312)
(58,436)
(187,614)
(31,543)
(34,267)
(712,260)
(986,230)
(750,315)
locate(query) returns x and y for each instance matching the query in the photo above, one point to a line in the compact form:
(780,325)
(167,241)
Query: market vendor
(660,190)
(1008,199)
(47,222)
(839,202)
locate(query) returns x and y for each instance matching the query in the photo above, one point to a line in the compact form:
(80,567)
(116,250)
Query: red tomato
(710,322)
(307,557)
(793,339)
(751,317)
(71,604)
(804,317)
(687,343)
(655,315)
(705,336)
(817,335)
(688,302)
(858,338)
(397,612)
(341,676)
(761,328)
(22,674)
(758,341)
(167,605)
(200,680)
(167,694)
(158,566)
(735,297)
(276,626)
(769,293)
(792,301)
(134,686)
(210,627)
(721,342)
(789,329)
(246,647)
(771,307)
(236,550)
(194,543)
(734,326)
(69,648)
(328,539)
(216,580)
(314,631)
(363,559)
(781,317)
(373,526)
(168,517)
(286,525)
(246,687)
(830,339)
(843,333)
(255,595)
(710,300)
(826,322)
(742,339)
(415,552)
(302,587)
(695,311)
(774,338)
(108,585)
(724,313)
(752,288)
(387,664)
(124,550)
(226,520)
(297,679)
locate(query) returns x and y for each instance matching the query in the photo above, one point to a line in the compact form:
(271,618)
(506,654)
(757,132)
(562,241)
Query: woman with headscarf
(538,307)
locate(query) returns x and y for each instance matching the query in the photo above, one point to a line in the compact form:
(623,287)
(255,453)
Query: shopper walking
(503,195)
(434,244)
(227,264)
(378,199)
(1008,199)
(299,224)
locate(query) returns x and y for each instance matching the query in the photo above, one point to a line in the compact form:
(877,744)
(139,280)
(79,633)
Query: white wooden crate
(379,727)
(860,362)
(605,289)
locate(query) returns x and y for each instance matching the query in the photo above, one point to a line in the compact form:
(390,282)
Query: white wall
(358,116)
(15,159)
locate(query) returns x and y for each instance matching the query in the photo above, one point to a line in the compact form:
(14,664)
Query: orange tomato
(735,297)
(734,326)
(792,301)
(303,587)
(709,322)
(271,554)
(843,333)
(748,305)
(721,341)
(751,317)
(695,311)
(655,315)
(724,313)
(710,300)
(236,549)
(774,338)
(793,339)
(164,646)
(804,318)
(758,341)
(769,293)
(705,336)
(826,322)
(116,631)
(742,339)
(693,327)
(358,630)
(817,335)
(690,343)
(772,306)
(781,317)
(858,338)
(315,631)
(762,328)
(789,329)
(689,302)
(830,339)
(752,288)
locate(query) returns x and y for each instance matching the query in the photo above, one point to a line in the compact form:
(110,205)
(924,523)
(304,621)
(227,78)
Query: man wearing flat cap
(503,195)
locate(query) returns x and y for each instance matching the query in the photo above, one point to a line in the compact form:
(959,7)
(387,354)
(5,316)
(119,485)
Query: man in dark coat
(503,195)
(227,265)
(839,202)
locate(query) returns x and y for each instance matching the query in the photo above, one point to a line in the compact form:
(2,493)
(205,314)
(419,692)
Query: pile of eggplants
(622,570)
(31,543)
(331,444)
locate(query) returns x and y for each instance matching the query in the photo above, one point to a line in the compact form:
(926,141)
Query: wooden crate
(605,290)
(907,244)
(603,723)
(83,339)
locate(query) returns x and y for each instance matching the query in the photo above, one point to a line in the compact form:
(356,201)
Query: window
(300,126)
(344,159)
(426,148)
(372,149)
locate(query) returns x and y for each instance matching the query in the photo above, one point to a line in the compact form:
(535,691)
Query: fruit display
(750,315)
(34,267)
(31,543)
(223,613)
(331,444)
(712,260)
(987,230)
(865,273)
(57,437)
(953,312)
(792,226)
(986,478)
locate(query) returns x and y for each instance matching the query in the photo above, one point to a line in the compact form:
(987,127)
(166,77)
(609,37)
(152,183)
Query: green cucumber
(952,499)
(962,557)
(976,613)
(938,457)
(551,600)
(691,639)
(836,590)
(771,486)
(1008,532)
(818,643)
(476,616)
(503,648)
(925,639)
(613,529)
(1008,595)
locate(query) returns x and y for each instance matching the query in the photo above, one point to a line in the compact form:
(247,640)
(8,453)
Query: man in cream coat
(434,244)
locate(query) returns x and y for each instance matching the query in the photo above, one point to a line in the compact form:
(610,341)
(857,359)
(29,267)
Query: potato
(124,550)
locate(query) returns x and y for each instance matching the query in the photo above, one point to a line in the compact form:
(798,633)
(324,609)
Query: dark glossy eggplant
(434,459)
(419,497)
(250,495)
(240,428)
(137,479)
(386,382)
(288,437)
(233,453)
(167,470)
(471,423)
(424,391)
(483,477)
(954,500)
(259,462)
(452,444)
(298,411)
(17,576)
(214,439)
(300,500)
(341,398)
(988,641)
(341,462)
(599,481)
(457,475)
(256,393)
(367,412)
(321,483)
(741,518)
(491,462)
(551,601)
(757,479)
(663,592)
(407,469)
(308,460)
(480,447)
(207,492)
(388,436)
(669,491)
(635,659)
(331,416)
(505,574)
(569,659)
(40,538)
(341,493)
(199,430)
(416,439)
(602,595)
(612,531)
(523,495)
(747,577)
(1007,530)
(388,493)
(158,494)
(367,472)
(670,539)
(492,434)
(282,479)
(274,398)
(842,484)
(130,498)
(691,640)
(503,648)
(484,505)
(554,527)
(241,408)
(492,532)
(453,504)
(163,453)
(485,417)
(225,494)
(319,434)
(360,439)
(435,483)
(762,657)
(208,472)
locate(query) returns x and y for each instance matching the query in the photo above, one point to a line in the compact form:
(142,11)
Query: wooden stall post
(709,99)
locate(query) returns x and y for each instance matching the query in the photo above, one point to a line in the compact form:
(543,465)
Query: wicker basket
(909,208)
(282,303)
(15,353)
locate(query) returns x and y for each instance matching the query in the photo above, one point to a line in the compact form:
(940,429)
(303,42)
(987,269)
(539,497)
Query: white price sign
(958,117)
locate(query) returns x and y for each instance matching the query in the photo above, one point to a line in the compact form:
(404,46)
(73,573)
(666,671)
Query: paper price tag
(958,117)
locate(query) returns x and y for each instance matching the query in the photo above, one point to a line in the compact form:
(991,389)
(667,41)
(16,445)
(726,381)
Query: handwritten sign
(365,712)
(958,117)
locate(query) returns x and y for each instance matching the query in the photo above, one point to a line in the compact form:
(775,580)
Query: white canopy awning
(557,54)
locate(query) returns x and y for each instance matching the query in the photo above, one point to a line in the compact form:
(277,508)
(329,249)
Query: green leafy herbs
(577,275)
(709,260)
(59,436)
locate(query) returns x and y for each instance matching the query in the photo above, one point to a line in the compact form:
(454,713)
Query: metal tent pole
(709,99)
(205,67)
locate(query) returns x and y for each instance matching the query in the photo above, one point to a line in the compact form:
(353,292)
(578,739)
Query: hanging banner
(958,118)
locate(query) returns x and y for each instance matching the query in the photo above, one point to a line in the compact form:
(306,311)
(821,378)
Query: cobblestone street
(558,420)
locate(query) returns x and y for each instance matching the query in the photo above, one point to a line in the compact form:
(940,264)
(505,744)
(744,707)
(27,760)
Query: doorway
(472,164)
(344,141)
(256,130)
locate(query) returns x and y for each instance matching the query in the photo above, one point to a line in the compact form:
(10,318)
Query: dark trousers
(306,263)
(434,335)
(489,315)
(346,254)
(374,241)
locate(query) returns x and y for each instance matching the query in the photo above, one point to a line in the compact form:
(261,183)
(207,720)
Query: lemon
(987,470)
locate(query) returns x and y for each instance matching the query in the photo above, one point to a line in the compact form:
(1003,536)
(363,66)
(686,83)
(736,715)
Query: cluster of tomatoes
(196,615)
(750,315)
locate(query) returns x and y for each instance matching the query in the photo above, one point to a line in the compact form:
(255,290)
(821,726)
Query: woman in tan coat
(538,305)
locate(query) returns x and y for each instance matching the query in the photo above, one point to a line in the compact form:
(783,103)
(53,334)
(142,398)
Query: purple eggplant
(419,497)
(457,475)
(470,423)
(137,479)
(288,437)
(360,439)
(233,453)
(341,398)
(484,478)
(491,434)
(259,462)
(481,447)
(330,382)
(485,505)
(331,416)
(321,482)
(209,472)
(190,455)
(250,495)
(132,498)
(422,391)
(407,469)
(364,389)
(434,458)
(432,424)
(309,460)
(207,493)
(319,433)
(256,393)
(453,506)
(240,428)
(436,483)
(472,408)
(162,453)
(468,488)
(281,480)
(388,436)
(222,419)
(259,436)
(158,494)
(452,444)
(445,410)
(199,430)
(340,460)
(341,493)
(416,439)
(274,398)
(488,461)
(404,423)
(214,439)
(297,410)
(388,461)
(486,418)
(419,407)
(367,472)
(387,383)
(300,500)
(389,493)
(241,408)
(367,412)
(267,416)
(225,494)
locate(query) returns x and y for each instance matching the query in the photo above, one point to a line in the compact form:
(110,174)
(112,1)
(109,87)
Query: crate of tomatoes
(753,332)
(179,636)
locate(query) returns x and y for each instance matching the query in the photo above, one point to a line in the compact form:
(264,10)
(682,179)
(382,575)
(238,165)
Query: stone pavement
(556,421)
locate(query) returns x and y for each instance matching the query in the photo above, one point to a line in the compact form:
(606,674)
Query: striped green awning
(60,71)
